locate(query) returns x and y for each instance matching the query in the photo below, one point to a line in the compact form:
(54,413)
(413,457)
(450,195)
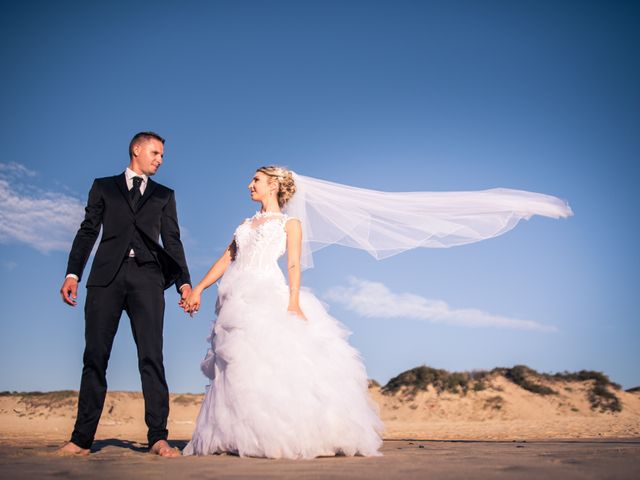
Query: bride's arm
(294,247)
(192,303)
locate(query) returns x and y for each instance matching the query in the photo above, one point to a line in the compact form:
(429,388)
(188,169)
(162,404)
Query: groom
(130,272)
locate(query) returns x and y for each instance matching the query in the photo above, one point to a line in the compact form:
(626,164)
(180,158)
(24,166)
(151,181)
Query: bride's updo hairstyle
(284,178)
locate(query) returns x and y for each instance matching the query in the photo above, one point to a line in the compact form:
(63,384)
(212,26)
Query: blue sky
(390,95)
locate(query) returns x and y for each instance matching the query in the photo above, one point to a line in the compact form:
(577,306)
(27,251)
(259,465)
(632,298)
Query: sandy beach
(113,458)
(498,431)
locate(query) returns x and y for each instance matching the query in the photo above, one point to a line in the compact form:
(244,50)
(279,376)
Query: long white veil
(387,223)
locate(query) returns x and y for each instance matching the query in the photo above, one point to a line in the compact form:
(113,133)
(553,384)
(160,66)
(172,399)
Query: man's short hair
(143,137)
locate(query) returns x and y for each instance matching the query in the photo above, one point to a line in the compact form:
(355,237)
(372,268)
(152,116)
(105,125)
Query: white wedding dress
(281,387)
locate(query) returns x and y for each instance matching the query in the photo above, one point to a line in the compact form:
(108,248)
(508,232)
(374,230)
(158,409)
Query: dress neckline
(260,214)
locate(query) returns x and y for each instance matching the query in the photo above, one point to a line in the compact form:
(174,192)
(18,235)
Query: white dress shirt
(128,175)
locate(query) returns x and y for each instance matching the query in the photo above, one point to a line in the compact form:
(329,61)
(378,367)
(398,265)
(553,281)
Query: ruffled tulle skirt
(281,387)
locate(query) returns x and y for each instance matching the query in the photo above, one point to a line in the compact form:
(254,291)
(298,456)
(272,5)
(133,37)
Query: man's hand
(185,291)
(69,291)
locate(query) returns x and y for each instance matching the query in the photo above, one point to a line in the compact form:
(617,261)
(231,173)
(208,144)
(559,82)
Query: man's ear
(136,150)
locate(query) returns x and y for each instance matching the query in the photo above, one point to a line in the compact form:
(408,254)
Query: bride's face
(260,187)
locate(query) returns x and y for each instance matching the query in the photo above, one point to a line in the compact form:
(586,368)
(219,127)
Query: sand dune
(506,411)
(500,410)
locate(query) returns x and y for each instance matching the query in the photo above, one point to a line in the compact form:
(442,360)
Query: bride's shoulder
(244,223)
(292,223)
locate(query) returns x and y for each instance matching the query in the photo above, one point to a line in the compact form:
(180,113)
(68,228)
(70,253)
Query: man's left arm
(170,234)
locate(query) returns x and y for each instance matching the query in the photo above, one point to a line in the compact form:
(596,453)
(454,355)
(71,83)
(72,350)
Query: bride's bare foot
(70,449)
(163,449)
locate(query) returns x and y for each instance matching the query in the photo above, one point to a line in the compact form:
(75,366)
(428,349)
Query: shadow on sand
(129,445)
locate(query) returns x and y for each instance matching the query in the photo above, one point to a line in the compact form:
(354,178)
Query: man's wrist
(184,285)
(74,276)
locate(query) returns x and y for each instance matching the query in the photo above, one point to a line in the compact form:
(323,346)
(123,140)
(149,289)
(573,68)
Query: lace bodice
(261,240)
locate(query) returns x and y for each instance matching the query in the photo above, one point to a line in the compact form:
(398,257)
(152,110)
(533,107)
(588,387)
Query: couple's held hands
(69,291)
(190,300)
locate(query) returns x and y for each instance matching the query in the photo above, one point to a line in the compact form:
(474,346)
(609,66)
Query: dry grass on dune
(602,393)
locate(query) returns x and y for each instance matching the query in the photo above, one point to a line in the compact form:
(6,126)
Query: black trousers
(138,290)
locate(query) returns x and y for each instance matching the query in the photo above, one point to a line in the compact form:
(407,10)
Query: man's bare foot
(163,449)
(70,449)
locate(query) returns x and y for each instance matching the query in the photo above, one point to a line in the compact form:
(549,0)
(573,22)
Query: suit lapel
(121,181)
(148,191)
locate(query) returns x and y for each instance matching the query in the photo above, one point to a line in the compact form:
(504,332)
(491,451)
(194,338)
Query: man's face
(147,157)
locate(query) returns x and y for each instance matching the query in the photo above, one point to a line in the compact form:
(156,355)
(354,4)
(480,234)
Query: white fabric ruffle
(281,387)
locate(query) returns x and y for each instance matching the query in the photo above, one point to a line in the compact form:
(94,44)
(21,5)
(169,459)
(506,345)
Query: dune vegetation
(602,393)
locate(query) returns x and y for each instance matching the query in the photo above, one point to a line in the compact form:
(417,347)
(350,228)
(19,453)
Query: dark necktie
(134,193)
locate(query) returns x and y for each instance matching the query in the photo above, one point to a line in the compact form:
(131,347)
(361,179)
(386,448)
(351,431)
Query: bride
(284,381)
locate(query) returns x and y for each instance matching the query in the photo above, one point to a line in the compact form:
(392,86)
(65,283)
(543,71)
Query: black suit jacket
(109,206)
